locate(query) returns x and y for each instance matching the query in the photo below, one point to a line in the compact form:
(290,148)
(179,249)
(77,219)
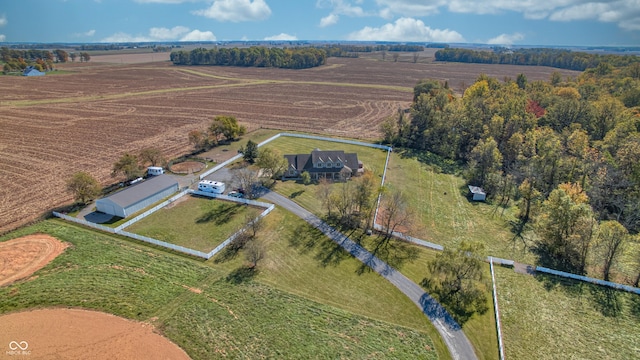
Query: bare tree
(395,56)
(246,179)
(254,222)
(323,192)
(254,252)
(416,56)
(612,239)
(152,155)
(394,213)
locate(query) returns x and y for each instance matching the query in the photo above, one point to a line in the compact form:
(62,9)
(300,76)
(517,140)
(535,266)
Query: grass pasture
(446,217)
(195,222)
(196,305)
(547,317)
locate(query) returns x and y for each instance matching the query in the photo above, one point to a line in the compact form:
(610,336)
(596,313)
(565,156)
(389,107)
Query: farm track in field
(86,118)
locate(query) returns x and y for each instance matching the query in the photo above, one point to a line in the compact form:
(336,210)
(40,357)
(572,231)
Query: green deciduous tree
(457,279)
(272,163)
(563,226)
(84,187)
(127,166)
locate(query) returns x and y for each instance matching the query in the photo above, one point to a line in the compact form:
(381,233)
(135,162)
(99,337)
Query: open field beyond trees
(87,117)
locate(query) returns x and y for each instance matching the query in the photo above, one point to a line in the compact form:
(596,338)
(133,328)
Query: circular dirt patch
(187,167)
(21,257)
(82,334)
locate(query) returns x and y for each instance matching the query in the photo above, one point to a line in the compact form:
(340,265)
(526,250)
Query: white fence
(352,142)
(220,166)
(497,311)
(119,230)
(84,222)
(589,280)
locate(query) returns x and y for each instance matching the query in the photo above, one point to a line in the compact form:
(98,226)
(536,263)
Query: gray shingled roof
(304,162)
(140,191)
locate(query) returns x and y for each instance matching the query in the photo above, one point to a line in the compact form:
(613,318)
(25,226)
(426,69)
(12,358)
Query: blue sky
(504,22)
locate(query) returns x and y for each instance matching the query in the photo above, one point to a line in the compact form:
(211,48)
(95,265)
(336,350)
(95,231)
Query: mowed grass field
(444,214)
(204,309)
(195,222)
(547,317)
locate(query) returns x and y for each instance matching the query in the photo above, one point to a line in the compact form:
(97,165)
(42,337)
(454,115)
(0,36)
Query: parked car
(235,194)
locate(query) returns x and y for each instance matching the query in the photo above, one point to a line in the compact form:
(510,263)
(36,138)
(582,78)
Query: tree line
(351,51)
(258,56)
(566,152)
(42,60)
(558,58)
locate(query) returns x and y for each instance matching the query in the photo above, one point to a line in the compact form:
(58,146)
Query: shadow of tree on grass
(241,275)
(220,214)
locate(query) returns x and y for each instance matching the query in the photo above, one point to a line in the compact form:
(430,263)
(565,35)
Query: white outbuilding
(477,193)
(138,196)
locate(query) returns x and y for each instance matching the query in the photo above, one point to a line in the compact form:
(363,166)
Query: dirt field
(21,257)
(86,117)
(81,334)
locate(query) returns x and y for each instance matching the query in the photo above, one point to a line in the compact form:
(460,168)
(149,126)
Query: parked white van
(215,187)
(155,170)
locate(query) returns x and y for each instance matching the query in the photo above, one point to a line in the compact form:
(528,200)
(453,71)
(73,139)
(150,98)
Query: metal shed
(137,197)
(477,193)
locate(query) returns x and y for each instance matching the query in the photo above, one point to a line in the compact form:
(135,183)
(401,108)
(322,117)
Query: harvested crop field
(82,334)
(84,120)
(21,257)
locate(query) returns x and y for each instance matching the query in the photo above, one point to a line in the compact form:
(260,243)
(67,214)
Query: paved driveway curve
(453,336)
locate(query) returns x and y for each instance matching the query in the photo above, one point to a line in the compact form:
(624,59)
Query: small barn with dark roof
(137,197)
(333,165)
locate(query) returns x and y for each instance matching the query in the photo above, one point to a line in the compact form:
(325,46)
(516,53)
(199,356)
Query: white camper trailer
(215,187)
(155,170)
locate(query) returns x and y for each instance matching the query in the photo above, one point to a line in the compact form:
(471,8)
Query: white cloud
(197,35)
(406,29)
(506,39)
(2,37)
(163,1)
(121,37)
(90,32)
(281,37)
(180,33)
(329,20)
(236,10)
(167,34)
(626,13)
(3,20)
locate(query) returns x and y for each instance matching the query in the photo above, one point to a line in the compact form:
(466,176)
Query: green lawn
(251,319)
(480,328)
(302,261)
(547,317)
(194,222)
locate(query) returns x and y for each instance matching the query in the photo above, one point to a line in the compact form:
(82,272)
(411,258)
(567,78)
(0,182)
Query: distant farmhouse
(31,71)
(137,197)
(332,165)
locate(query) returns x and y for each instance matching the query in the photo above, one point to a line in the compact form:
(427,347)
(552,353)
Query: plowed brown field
(85,119)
